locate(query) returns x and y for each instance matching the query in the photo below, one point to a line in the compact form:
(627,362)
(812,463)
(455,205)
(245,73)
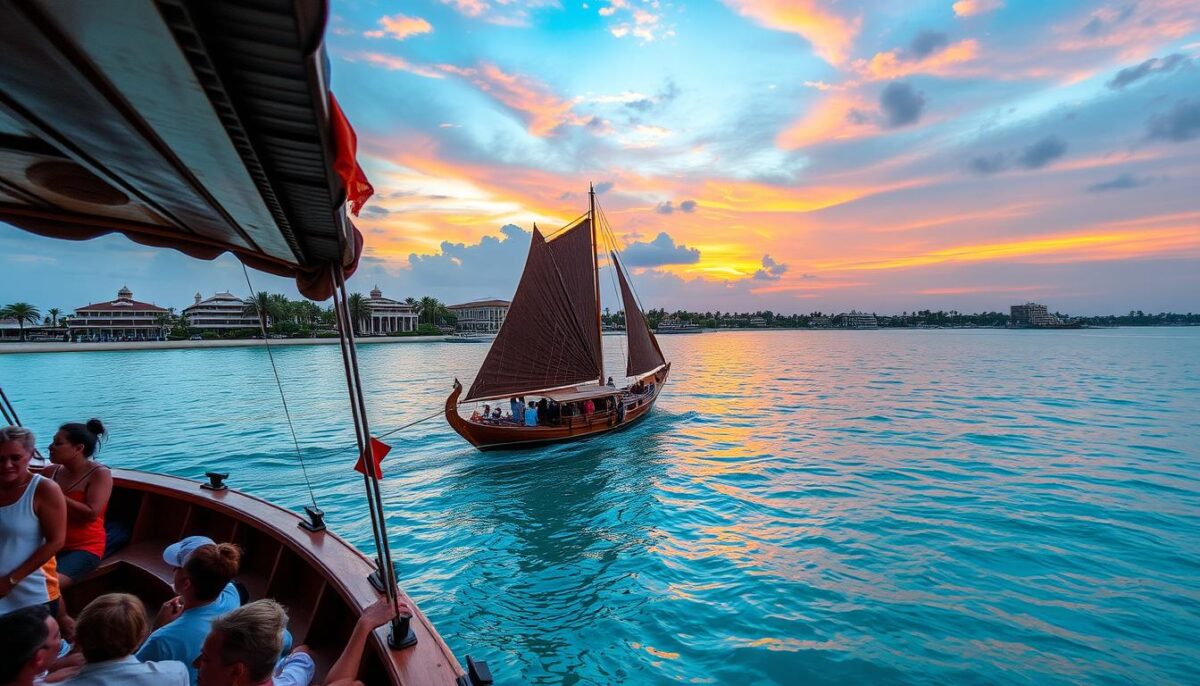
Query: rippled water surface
(803,507)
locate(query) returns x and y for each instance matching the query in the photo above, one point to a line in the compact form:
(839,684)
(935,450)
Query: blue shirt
(182,639)
(531,416)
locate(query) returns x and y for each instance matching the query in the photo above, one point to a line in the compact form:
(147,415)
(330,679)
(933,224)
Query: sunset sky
(794,155)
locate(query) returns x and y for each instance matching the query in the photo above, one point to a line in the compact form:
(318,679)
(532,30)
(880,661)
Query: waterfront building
(758,322)
(821,322)
(120,319)
(1032,315)
(856,320)
(221,312)
(389,316)
(485,316)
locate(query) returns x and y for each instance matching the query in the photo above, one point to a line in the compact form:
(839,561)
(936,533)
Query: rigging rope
(262,323)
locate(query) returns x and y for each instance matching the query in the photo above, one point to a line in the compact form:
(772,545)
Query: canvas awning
(202,125)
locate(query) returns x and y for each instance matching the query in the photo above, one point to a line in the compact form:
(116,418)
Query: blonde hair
(18,434)
(253,635)
(111,626)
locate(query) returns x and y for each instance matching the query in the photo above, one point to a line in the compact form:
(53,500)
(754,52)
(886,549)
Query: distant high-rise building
(1032,315)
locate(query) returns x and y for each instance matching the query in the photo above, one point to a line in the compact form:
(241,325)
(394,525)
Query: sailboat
(549,350)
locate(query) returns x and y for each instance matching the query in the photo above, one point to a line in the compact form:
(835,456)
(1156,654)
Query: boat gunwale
(355,590)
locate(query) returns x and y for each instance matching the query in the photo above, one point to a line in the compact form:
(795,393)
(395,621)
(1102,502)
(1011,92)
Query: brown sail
(550,336)
(644,353)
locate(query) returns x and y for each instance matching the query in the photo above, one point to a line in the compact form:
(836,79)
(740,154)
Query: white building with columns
(389,316)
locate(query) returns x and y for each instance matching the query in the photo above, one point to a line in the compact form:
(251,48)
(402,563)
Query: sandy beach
(58,347)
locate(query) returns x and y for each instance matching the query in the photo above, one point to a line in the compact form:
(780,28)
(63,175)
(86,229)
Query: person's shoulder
(47,487)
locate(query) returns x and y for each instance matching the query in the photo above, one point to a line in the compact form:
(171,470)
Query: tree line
(770,319)
(276,313)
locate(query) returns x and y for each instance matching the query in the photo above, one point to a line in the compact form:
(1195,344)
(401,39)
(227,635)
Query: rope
(262,324)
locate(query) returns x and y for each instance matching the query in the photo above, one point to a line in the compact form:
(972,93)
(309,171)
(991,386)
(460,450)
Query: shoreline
(59,347)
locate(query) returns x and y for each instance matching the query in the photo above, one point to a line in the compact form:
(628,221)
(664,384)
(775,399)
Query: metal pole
(400,625)
(363,445)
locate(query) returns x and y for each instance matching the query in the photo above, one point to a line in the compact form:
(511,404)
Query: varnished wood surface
(320,578)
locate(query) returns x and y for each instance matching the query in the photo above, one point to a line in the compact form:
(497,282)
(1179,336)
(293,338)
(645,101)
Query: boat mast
(596,279)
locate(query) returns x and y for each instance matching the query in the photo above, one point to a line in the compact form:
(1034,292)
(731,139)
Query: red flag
(379,450)
(345,162)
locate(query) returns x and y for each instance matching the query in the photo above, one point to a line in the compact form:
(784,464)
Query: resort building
(222,312)
(856,320)
(821,322)
(481,315)
(758,322)
(1032,315)
(120,319)
(389,316)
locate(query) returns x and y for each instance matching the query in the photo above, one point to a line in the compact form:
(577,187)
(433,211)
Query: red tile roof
(121,306)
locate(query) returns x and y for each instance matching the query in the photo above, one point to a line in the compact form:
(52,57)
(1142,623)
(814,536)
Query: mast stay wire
(262,324)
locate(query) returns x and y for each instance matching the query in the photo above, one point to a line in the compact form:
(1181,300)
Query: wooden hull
(320,578)
(488,436)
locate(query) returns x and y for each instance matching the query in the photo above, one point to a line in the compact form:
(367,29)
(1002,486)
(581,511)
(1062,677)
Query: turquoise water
(875,507)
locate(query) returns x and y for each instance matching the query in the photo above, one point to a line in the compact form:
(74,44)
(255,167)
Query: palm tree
(24,313)
(359,311)
(165,320)
(429,307)
(260,306)
(53,312)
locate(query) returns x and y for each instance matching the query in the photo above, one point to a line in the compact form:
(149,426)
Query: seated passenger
(87,486)
(31,642)
(589,407)
(531,414)
(610,383)
(109,629)
(204,571)
(243,647)
(496,412)
(33,523)
(487,411)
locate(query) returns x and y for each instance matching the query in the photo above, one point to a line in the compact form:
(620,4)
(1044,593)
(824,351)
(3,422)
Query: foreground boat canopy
(202,125)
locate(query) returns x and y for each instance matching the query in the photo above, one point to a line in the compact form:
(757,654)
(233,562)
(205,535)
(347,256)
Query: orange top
(88,536)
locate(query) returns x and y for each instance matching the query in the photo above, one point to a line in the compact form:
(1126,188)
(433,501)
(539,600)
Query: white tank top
(20,535)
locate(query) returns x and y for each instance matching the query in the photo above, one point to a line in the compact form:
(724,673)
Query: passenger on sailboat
(33,523)
(610,383)
(204,571)
(531,415)
(110,629)
(244,645)
(87,486)
(31,642)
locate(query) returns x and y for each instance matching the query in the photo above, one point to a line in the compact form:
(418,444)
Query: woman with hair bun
(204,571)
(87,485)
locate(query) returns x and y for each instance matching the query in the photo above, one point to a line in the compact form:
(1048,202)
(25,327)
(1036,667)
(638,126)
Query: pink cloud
(971,8)
(399,26)
(831,35)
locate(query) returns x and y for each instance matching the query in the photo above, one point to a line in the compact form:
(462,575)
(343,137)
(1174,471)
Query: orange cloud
(1113,241)
(893,65)
(744,196)
(400,27)
(542,111)
(970,8)
(831,35)
(831,119)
